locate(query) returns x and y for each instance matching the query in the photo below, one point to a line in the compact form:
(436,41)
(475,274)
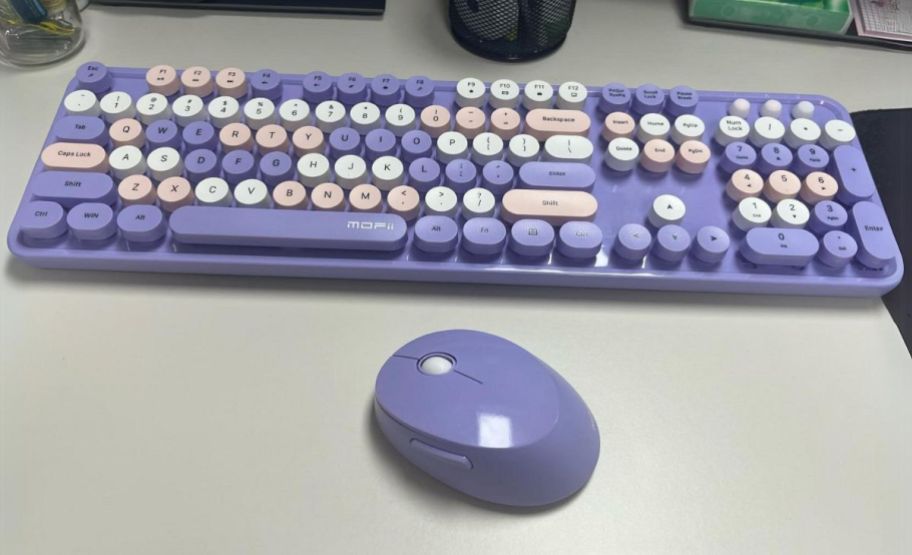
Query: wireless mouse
(486,417)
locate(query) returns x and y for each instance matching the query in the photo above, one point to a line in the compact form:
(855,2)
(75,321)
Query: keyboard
(264,173)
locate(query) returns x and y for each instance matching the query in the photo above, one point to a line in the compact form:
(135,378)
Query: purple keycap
(238,165)
(837,248)
(648,98)
(351,88)
(423,174)
(633,242)
(344,140)
(827,216)
(276,167)
(419,91)
(161,133)
(69,188)
(738,155)
(579,240)
(532,238)
(416,144)
(774,156)
(615,97)
(436,234)
(266,83)
(682,100)
(380,142)
(142,223)
(460,175)
(200,164)
(81,129)
(484,236)
(42,219)
(770,246)
(672,243)
(303,229)
(557,175)
(93,76)
(869,226)
(318,86)
(850,166)
(91,221)
(497,177)
(200,134)
(711,245)
(810,158)
(385,90)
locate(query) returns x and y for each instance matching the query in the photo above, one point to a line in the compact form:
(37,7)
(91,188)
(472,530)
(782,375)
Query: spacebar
(265,227)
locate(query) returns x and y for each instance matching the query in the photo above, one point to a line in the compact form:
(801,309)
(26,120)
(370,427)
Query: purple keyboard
(264,173)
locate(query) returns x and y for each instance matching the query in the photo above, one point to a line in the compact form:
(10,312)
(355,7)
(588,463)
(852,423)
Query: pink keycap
(505,123)
(197,80)
(780,185)
(365,198)
(328,196)
(545,122)
(127,131)
(162,79)
(657,156)
(272,138)
(236,136)
(307,139)
(470,121)
(290,194)
(75,156)
(232,82)
(405,201)
(744,183)
(174,192)
(136,189)
(435,120)
(618,124)
(555,207)
(818,186)
(692,157)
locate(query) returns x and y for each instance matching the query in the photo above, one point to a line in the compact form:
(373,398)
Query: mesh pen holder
(511,30)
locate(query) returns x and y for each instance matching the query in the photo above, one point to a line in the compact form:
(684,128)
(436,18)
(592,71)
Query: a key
(224,110)
(259,112)
(400,118)
(876,244)
(622,154)
(116,105)
(648,98)
(571,95)
(693,157)
(236,136)
(666,209)
(771,109)
(505,123)
(538,94)
(751,213)
(289,194)
(127,131)
(523,148)
(440,201)
(568,148)
(125,161)
(687,127)
(419,91)
(818,186)
(633,242)
(731,129)
(545,123)
(197,80)
(557,175)
(436,234)
(173,193)
(81,129)
(460,175)
(81,103)
(739,107)
(484,236)
(657,156)
(470,92)
(618,125)
(803,109)
(330,115)
(531,238)
(232,82)
(837,132)
(42,219)
(854,175)
(313,169)
(615,97)
(251,193)
(151,107)
(188,109)
(162,79)
(404,201)
(711,244)
(141,223)
(93,76)
(451,145)
(766,130)
(801,131)
(365,117)
(486,147)
(470,121)
(478,203)
(435,120)
(271,138)
(781,185)
(136,189)
(386,90)
(653,126)
(74,156)
(837,248)
(213,191)
(71,188)
(779,246)
(790,213)
(682,100)
(329,197)
(91,221)
(294,114)
(744,183)
(307,140)
(555,207)
(579,240)
(350,171)
(164,162)
(672,243)
(365,198)
(504,94)
(387,172)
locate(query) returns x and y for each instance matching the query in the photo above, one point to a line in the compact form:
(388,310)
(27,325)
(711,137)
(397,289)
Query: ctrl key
(42,219)
(141,223)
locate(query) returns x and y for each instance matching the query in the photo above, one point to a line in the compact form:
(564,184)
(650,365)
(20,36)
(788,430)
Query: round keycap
(738,155)
(200,134)
(657,156)
(618,124)
(579,240)
(351,88)
(571,95)
(213,191)
(774,156)
(197,80)
(497,177)
(318,86)
(435,120)
(419,91)
(451,145)
(615,97)
(740,107)
(328,196)
(343,141)
(163,79)
(224,110)
(672,243)
(478,203)
(622,154)
(744,184)
(653,126)
(436,234)
(405,201)
(766,130)
(486,147)
(711,245)
(692,157)
(424,173)
(801,131)
(294,114)
(828,216)
(666,209)
(230,81)
(416,144)
(42,219)
(93,76)
(470,121)
(687,127)
(470,92)
(810,158)
(378,143)
(731,129)
(365,198)
(523,148)
(781,184)
(484,236)
(313,169)
(387,172)
(266,83)
(818,186)
(682,100)
(173,193)
(790,213)
(400,118)
(136,189)
(837,132)
(771,108)
(289,194)
(837,249)
(538,94)
(504,94)
(505,123)
(251,193)
(350,170)
(200,164)
(751,213)
(141,223)
(633,242)
(648,98)
(238,165)
(385,90)
(307,140)
(532,238)
(440,201)
(276,167)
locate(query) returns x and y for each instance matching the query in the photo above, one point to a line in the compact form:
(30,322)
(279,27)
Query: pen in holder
(511,30)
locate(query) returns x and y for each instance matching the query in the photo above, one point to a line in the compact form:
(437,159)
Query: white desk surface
(151,414)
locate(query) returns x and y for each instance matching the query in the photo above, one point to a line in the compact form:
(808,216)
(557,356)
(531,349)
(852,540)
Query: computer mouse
(486,417)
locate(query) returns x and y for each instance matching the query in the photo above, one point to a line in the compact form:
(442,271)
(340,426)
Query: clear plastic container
(38,31)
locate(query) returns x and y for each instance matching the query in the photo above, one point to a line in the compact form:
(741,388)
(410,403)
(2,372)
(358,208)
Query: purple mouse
(486,417)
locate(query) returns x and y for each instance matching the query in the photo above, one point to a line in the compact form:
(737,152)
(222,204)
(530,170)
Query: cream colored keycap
(400,118)
(187,109)
(451,145)
(790,213)
(350,171)
(330,115)
(803,109)
(251,193)
(571,95)
(313,169)
(213,191)
(224,110)
(801,131)
(116,105)
(470,92)
(666,209)
(538,94)
(294,114)
(568,148)
(365,117)
(504,94)
(750,213)
(687,127)
(740,107)
(164,162)
(523,148)
(766,130)
(477,203)
(387,172)
(837,132)
(81,103)
(259,112)
(440,201)
(125,161)
(486,147)
(622,154)
(152,107)
(653,126)
(731,129)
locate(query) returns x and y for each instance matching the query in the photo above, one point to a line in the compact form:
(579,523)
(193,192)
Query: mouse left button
(440,454)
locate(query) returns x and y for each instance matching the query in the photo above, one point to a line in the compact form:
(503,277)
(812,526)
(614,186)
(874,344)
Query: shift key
(75,156)
(69,188)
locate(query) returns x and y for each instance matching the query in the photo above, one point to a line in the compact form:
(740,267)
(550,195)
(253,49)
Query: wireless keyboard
(413,179)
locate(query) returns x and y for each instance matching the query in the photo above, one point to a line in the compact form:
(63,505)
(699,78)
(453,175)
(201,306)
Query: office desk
(153,414)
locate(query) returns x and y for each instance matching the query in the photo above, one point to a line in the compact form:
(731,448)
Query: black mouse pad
(886,137)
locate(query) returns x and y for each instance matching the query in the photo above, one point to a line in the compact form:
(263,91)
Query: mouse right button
(441,455)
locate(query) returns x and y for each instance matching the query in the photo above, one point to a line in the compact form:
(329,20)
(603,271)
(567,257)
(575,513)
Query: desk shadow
(201,10)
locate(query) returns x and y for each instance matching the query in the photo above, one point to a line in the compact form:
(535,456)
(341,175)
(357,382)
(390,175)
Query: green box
(818,16)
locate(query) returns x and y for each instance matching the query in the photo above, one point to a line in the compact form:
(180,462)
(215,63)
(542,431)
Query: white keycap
(837,132)
(388,172)
(622,154)
(116,105)
(213,191)
(571,95)
(802,131)
(750,213)
(470,92)
(224,110)
(451,145)
(313,169)
(252,193)
(365,117)
(164,162)
(187,109)
(803,109)
(350,170)
(259,112)
(440,201)
(687,127)
(294,114)
(790,213)
(739,107)
(125,161)
(330,115)
(666,209)
(766,130)
(731,129)
(653,126)
(568,148)
(152,107)
(81,103)
(400,118)
(538,94)
(771,108)
(477,203)
(486,147)
(504,94)
(523,148)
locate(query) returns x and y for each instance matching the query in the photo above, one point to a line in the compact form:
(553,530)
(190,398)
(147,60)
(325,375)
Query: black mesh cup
(511,30)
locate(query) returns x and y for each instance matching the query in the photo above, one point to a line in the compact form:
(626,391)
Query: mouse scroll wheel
(436,364)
